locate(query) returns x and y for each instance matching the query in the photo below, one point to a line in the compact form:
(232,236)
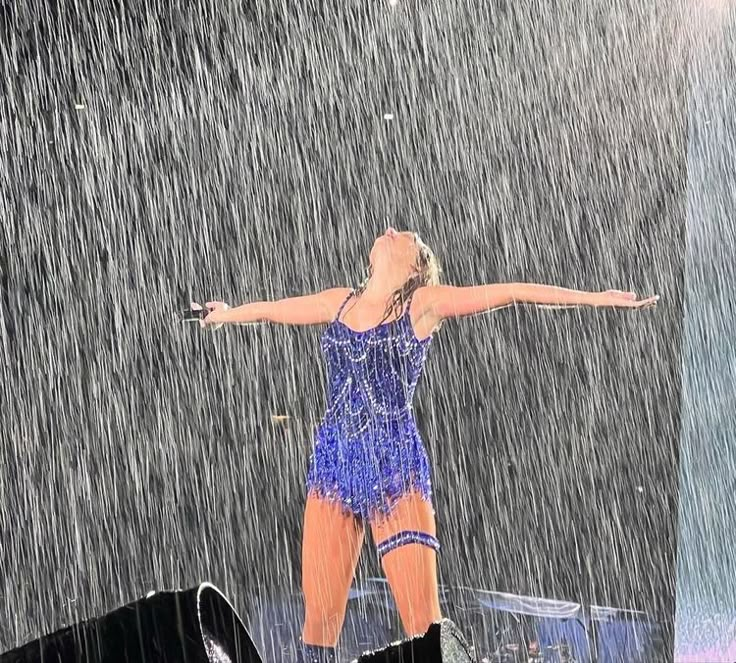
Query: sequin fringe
(368,451)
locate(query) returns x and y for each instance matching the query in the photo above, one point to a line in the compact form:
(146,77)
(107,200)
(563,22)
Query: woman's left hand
(622,299)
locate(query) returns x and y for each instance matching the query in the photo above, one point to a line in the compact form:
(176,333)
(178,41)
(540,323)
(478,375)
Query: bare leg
(330,549)
(411,569)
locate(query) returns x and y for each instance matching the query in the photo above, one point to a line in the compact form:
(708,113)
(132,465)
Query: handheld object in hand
(191,314)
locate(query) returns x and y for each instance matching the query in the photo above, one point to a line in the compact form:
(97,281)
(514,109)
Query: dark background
(238,150)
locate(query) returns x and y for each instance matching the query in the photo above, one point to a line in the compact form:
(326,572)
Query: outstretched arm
(446,301)
(305,310)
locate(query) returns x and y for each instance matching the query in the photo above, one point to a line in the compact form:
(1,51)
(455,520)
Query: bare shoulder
(332,299)
(425,297)
(424,316)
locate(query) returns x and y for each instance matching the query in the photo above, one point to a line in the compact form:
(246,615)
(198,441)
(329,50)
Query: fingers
(646,303)
(198,307)
(650,301)
(629,300)
(216,305)
(206,321)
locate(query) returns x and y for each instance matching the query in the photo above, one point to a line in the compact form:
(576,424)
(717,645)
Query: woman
(369,464)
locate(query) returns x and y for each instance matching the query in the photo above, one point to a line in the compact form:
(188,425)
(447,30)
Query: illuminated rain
(159,154)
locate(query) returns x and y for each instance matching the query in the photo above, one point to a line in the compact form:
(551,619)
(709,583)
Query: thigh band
(405,537)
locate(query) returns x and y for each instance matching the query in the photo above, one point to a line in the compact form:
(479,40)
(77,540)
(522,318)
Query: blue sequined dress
(368,451)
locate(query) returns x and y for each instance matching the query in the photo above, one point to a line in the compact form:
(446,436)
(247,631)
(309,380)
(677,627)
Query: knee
(322,610)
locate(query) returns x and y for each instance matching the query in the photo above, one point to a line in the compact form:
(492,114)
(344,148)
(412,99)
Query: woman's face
(396,248)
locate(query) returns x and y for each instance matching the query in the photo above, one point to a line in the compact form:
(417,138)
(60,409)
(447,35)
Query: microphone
(192,314)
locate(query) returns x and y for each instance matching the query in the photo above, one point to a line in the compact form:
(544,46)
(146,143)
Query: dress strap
(342,306)
(407,306)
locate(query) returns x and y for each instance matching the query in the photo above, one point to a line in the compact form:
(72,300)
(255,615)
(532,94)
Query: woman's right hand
(212,319)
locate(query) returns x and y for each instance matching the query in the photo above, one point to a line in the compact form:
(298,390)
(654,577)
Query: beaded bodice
(372,374)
